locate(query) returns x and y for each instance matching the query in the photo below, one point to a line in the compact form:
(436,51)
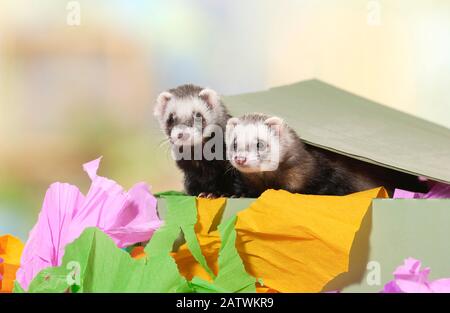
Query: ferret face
(184,120)
(186,113)
(254,145)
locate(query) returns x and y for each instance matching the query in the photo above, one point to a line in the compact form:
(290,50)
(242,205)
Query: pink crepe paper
(410,278)
(127,217)
(437,191)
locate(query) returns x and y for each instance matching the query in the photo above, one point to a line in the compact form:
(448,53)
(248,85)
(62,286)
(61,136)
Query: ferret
(270,155)
(190,116)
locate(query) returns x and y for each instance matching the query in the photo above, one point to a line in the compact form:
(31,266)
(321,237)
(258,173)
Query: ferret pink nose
(183,136)
(240,160)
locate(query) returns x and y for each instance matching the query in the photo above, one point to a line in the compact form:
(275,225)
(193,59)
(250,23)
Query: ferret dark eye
(170,120)
(234,145)
(260,145)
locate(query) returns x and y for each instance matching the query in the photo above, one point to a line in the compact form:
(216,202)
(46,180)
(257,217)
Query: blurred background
(78,79)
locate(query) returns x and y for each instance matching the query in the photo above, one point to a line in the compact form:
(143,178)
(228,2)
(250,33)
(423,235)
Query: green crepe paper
(103,267)
(169,193)
(232,275)
(181,214)
(106,268)
(17,288)
(49,280)
(199,285)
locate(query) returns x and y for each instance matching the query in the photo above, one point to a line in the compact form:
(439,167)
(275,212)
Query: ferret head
(186,113)
(255,142)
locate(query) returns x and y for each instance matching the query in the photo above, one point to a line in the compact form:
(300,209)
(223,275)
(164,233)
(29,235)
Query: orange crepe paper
(138,252)
(10,252)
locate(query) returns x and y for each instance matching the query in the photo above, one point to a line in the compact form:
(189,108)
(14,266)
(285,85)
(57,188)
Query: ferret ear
(232,122)
(275,123)
(210,96)
(161,103)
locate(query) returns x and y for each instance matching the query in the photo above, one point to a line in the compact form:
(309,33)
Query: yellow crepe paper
(299,243)
(10,251)
(293,242)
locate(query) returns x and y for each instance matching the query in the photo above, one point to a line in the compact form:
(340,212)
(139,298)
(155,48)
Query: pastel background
(69,94)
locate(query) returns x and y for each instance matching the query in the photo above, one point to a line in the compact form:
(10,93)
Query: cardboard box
(393,229)
(339,121)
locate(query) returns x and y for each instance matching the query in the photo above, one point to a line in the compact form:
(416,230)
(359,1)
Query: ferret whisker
(165,141)
(229,169)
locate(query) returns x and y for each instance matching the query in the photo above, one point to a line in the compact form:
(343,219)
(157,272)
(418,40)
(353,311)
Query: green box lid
(336,120)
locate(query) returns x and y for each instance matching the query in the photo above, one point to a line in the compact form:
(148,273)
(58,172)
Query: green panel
(339,121)
(399,229)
